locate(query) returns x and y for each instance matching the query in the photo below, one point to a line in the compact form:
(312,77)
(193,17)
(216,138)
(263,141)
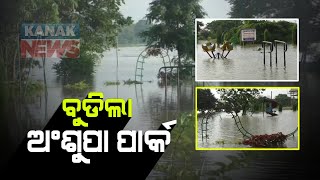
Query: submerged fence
(264,43)
(271,45)
(285,48)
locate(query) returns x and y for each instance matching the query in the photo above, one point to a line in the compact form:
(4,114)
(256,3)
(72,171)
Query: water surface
(222,127)
(246,63)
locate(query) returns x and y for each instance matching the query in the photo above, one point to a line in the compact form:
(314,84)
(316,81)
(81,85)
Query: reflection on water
(223,128)
(246,63)
(154,104)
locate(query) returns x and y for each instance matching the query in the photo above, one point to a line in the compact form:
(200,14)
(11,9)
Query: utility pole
(117,67)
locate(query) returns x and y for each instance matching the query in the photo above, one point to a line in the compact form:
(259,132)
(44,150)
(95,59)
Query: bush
(280,107)
(266,35)
(109,83)
(294,107)
(79,86)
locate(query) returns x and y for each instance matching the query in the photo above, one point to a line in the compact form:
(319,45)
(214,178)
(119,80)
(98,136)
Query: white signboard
(248,35)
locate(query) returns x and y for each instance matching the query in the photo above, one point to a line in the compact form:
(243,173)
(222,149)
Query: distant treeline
(130,34)
(230,30)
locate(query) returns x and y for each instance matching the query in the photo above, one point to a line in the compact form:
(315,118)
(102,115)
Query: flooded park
(247,50)
(112,59)
(247,118)
(153,104)
(222,131)
(246,63)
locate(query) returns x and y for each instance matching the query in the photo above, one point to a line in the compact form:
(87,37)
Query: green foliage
(266,35)
(235,36)
(131,34)
(199,25)
(266,30)
(110,83)
(294,107)
(283,99)
(74,70)
(237,161)
(78,87)
(256,105)
(32,88)
(219,37)
(306,11)
(294,34)
(173,25)
(99,21)
(267,8)
(227,36)
(181,151)
(280,108)
(98,28)
(205,100)
(217,29)
(235,100)
(180,156)
(203,35)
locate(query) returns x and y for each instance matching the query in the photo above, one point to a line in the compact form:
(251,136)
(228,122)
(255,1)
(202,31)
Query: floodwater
(222,128)
(246,63)
(152,105)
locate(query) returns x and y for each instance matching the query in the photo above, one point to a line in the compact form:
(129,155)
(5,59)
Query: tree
(219,37)
(267,8)
(280,107)
(100,22)
(130,34)
(227,36)
(219,28)
(294,34)
(266,30)
(203,34)
(235,100)
(266,35)
(306,11)
(199,25)
(173,26)
(205,100)
(283,99)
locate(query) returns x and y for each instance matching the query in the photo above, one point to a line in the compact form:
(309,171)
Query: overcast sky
(137,9)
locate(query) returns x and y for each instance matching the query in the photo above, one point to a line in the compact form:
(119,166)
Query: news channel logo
(50,41)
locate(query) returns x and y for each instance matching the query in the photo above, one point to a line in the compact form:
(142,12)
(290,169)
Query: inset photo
(247,118)
(260,50)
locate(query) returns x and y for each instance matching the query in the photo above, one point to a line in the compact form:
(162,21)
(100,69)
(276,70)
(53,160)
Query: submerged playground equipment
(245,133)
(270,104)
(147,52)
(227,46)
(271,45)
(209,47)
(166,71)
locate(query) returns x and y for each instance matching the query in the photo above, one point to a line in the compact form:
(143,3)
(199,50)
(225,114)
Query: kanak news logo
(50,41)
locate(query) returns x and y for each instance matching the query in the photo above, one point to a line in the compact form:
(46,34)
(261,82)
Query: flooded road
(246,63)
(223,132)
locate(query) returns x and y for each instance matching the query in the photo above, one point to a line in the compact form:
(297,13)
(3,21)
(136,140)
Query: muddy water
(246,63)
